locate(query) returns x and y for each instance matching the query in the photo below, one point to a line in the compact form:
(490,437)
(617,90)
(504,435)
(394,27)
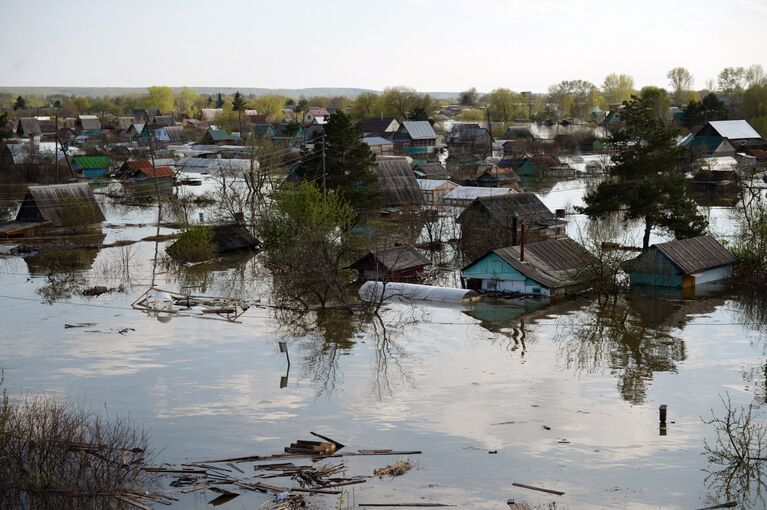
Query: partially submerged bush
(62,456)
(194,245)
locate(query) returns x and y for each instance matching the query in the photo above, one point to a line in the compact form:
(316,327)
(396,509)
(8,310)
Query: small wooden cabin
(393,264)
(682,264)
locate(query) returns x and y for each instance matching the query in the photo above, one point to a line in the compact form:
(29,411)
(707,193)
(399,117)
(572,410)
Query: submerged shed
(682,264)
(62,205)
(233,237)
(397,183)
(392,264)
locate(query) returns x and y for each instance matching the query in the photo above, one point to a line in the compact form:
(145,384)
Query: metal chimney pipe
(522,245)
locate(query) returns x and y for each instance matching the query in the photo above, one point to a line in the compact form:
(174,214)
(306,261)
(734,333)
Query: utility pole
(324,173)
(56,146)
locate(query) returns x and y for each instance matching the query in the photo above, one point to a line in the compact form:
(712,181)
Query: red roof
(145,167)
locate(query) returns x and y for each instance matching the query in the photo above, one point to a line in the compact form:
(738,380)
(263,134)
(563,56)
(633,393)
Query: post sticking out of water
(662,414)
(522,244)
(202,218)
(284,348)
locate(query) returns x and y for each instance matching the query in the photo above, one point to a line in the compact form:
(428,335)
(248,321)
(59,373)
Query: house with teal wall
(554,267)
(92,167)
(682,264)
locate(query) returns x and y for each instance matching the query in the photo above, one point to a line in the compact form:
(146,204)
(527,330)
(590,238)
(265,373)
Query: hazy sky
(431,45)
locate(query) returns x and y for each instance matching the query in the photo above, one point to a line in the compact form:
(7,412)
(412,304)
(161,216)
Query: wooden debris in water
(539,489)
(513,505)
(411,505)
(729,504)
(398,468)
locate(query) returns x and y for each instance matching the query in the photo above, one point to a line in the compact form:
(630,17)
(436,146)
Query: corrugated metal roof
(432,184)
(61,204)
(397,183)
(28,126)
(555,262)
(734,129)
(419,129)
(377,140)
(530,209)
(470,193)
(91,162)
(197,164)
(696,254)
(399,258)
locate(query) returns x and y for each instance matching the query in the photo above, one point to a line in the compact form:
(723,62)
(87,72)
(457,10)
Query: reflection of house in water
(67,260)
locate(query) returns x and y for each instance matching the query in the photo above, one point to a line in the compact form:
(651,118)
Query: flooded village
(341,298)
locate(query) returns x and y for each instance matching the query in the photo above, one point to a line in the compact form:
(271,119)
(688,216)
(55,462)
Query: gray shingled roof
(28,126)
(555,262)
(696,254)
(419,129)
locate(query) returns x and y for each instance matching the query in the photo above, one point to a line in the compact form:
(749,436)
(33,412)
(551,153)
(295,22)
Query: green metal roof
(83,162)
(219,135)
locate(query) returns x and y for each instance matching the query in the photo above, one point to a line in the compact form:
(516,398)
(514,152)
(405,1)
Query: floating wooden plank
(539,489)
(513,505)
(132,502)
(233,466)
(729,504)
(412,505)
(336,443)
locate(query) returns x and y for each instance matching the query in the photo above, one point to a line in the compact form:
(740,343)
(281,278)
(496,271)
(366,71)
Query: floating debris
(398,468)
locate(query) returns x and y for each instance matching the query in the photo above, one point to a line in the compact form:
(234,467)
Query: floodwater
(566,394)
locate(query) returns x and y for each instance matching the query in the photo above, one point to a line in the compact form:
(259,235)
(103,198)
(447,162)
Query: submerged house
(392,264)
(415,138)
(470,139)
(60,205)
(92,167)
(88,124)
(554,267)
(434,190)
(397,183)
(738,132)
(227,238)
(492,222)
(682,264)
(379,145)
(431,170)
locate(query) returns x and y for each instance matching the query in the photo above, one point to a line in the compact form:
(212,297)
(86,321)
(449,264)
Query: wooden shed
(393,264)
(397,183)
(682,264)
(61,205)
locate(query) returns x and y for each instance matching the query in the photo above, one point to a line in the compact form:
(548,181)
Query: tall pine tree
(348,168)
(238,105)
(647,179)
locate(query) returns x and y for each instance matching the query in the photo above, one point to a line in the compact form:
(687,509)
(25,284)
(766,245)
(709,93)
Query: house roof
(318,111)
(377,125)
(734,129)
(397,182)
(263,131)
(174,133)
(432,184)
(469,133)
(198,164)
(527,205)
(28,126)
(209,114)
(419,129)
(518,132)
(163,120)
(471,193)
(696,254)
(555,262)
(377,140)
(144,166)
(89,122)
(59,203)
(91,162)
(399,258)
(431,170)
(233,237)
(220,135)
(122,123)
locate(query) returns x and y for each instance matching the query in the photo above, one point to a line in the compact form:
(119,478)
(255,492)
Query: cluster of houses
(516,244)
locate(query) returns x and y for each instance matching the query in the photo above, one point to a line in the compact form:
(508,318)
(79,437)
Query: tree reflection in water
(736,455)
(331,333)
(751,311)
(634,336)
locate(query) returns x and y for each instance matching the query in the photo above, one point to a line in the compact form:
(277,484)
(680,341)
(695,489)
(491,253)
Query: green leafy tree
(418,113)
(399,101)
(20,104)
(309,246)
(348,163)
(5,132)
(504,105)
(681,81)
(708,109)
(574,98)
(647,179)
(469,97)
(186,101)
(618,88)
(365,106)
(270,106)
(657,100)
(753,108)
(160,98)
(239,105)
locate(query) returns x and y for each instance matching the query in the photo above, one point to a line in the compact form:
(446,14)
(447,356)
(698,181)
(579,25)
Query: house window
(536,290)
